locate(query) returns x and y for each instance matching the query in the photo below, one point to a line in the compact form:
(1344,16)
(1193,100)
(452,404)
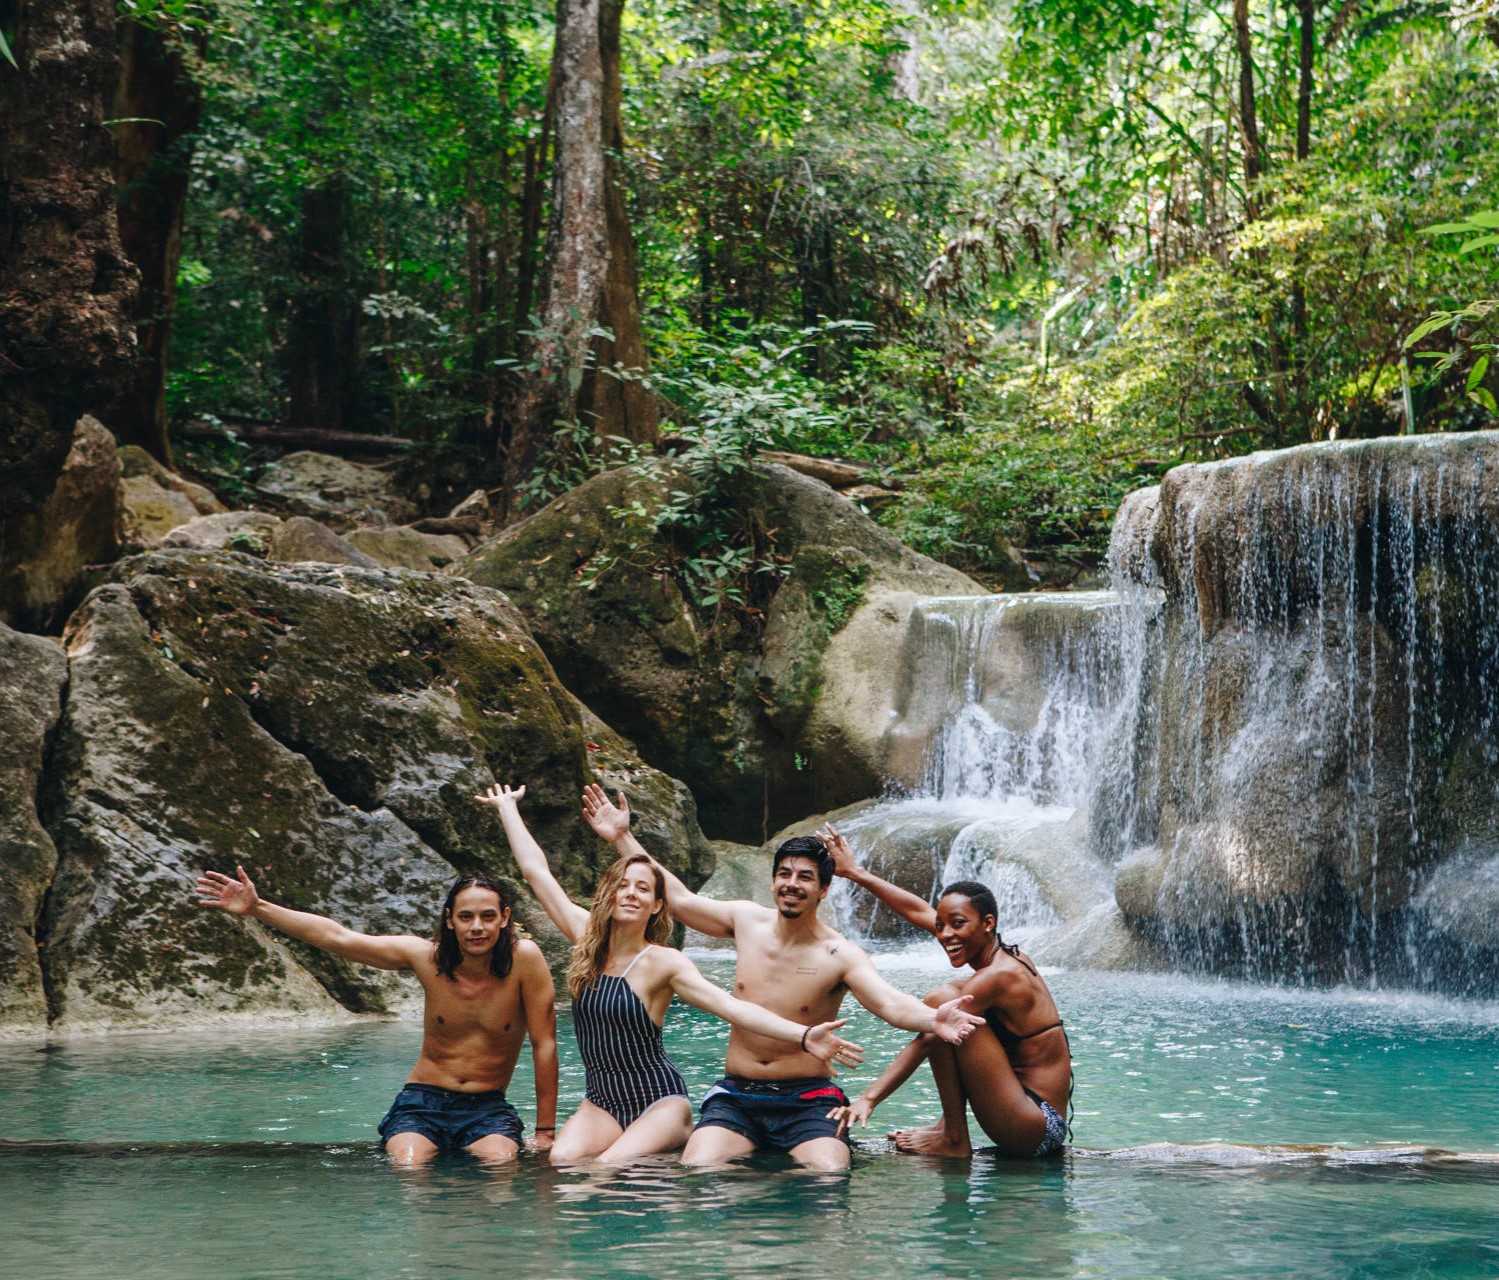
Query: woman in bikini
(1017,1073)
(622,977)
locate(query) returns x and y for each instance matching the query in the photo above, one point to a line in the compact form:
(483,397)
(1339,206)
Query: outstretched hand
(502,798)
(843,858)
(609,820)
(857,1110)
(235,896)
(824,1044)
(953,1023)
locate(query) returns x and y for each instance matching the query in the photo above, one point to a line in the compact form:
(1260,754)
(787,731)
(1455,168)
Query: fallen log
(320,439)
(833,472)
(471,524)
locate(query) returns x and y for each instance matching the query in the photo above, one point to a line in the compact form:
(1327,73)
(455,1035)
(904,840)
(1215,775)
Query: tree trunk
(66,337)
(533,199)
(1249,129)
(151,169)
(322,340)
(621,406)
(1308,11)
(590,282)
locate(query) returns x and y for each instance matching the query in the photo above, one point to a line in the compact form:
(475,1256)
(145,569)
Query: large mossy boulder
(328,727)
(768,710)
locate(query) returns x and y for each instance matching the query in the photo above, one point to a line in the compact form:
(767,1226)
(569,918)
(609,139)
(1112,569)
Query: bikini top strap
(1012,949)
(636,960)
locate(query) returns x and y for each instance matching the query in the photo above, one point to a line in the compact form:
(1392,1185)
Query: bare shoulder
(419,953)
(666,958)
(1004,981)
(749,916)
(841,950)
(748,910)
(529,958)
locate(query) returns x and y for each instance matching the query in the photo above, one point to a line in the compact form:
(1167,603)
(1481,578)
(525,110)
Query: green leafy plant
(1470,325)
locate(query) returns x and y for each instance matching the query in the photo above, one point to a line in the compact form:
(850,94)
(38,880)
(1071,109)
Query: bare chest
(459,1010)
(796,982)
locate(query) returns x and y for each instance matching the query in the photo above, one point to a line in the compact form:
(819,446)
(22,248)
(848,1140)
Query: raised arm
(947,1022)
(237,896)
(821,1040)
(903,903)
(566,914)
(612,823)
(539,1000)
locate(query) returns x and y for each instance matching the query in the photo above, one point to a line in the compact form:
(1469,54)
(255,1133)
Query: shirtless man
(775,1095)
(485,992)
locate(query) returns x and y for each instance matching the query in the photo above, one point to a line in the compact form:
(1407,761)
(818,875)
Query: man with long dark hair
(485,992)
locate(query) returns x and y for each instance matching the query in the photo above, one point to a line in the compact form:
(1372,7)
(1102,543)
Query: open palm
(237,896)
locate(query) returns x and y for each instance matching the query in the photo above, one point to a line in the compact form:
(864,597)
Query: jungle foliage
(1018,255)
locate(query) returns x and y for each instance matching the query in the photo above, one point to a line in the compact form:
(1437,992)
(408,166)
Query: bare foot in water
(931,1140)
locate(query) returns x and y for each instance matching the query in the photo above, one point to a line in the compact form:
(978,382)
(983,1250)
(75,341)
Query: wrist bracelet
(804,1040)
(546,1128)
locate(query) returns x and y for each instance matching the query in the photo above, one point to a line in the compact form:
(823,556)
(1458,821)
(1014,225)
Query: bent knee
(569,1153)
(942,994)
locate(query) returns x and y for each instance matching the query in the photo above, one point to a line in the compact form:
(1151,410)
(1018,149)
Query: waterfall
(1268,751)
(1317,754)
(1004,706)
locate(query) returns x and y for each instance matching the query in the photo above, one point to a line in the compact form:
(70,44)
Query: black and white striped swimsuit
(626,1069)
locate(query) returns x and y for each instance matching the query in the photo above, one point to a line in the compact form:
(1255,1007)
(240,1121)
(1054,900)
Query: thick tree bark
(1249,129)
(590,283)
(152,160)
(619,406)
(66,337)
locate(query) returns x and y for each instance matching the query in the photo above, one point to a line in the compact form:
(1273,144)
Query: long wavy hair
(450,955)
(591,951)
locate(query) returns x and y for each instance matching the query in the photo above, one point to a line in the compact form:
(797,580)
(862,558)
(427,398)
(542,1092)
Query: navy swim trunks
(779,1114)
(449,1118)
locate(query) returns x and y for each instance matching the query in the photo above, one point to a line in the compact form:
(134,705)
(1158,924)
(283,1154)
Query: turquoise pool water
(253,1154)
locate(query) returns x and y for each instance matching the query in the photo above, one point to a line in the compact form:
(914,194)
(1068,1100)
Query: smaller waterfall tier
(1004,706)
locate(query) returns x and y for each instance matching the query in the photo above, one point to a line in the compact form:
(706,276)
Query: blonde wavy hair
(591,951)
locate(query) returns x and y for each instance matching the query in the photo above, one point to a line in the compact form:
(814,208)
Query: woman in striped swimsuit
(622,977)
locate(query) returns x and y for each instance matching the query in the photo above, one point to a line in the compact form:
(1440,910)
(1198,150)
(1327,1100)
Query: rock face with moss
(325,726)
(48,551)
(33,674)
(769,709)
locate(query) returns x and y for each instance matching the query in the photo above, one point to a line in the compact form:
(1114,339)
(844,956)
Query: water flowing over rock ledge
(1312,771)
(1272,745)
